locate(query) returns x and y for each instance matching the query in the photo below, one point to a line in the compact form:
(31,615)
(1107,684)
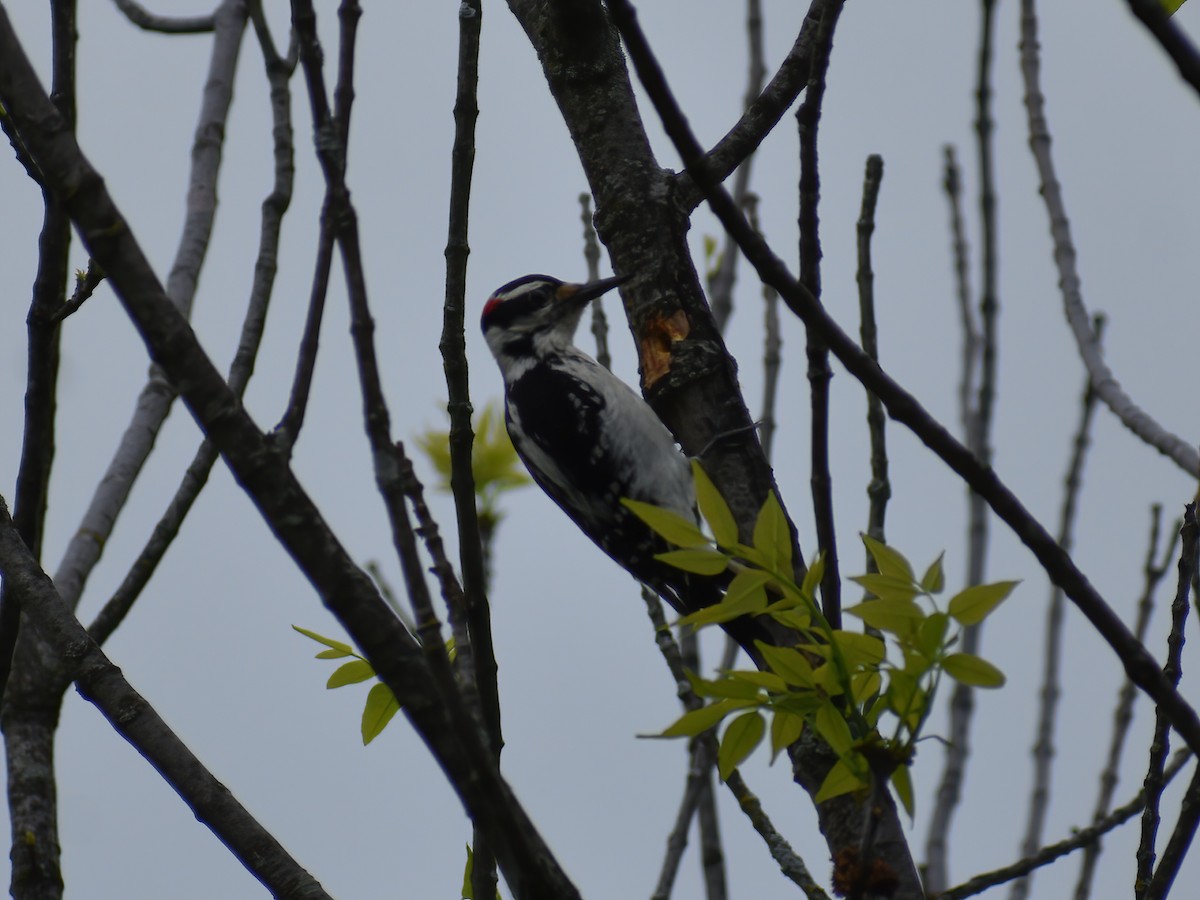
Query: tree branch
(1182,452)
(902,405)
(102,684)
(148,21)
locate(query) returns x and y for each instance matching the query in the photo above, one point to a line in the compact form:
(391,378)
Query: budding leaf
(345,648)
(786,729)
(893,616)
(902,782)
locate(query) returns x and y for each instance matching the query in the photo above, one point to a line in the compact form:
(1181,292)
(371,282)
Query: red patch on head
(491,304)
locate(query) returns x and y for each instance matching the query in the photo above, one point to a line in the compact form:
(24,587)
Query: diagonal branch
(1139,664)
(102,684)
(764,113)
(438,714)
(1132,416)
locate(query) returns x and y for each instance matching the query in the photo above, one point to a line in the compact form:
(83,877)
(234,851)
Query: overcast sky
(210,643)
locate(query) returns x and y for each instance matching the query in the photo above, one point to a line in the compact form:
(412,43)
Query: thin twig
(85,285)
(969,364)
(978,441)
(1132,416)
(476,659)
(808,118)
(591,256)
(274,208)
(790,864)
(1043,748)
(1080,837)
(1123,714)
(764,113)
(879,490)
(720,283)
(900,404)
(154,402)
(148,21)
(1152,883)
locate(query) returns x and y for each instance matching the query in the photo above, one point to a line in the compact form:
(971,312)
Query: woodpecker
(587,438)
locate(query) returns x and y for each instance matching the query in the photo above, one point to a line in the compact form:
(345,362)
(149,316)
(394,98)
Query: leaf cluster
(849,686)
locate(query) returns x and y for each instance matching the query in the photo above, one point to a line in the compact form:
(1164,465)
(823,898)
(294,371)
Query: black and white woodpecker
(587,438)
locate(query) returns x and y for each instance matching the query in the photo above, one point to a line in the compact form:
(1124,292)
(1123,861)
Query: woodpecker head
(537,313)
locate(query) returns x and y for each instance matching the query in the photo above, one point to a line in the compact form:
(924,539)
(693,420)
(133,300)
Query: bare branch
(764,113)
(1123,715)
(1080,837)
(879,490)
(1133,417)
(952,182)
(148,21)
(978,425)
(1151,882)
(156,397)
(1043,748)
(274,208)
(720,283)
(591,255)
(808,118)
(102,684)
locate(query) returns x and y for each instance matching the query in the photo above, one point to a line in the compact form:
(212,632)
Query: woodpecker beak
(581,294)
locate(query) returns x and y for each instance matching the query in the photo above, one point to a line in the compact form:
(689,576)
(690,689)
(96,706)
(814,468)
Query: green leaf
(834,728)
(750,555)
(733,688)
(786,729)
(714,508)
(745,596)
(328,642)
(468,892)
(864,685)
(768,681)
(902,782)
(932,633)
(1171,6)
(893,616)
(860,649)
(698,721)
(350,673)
(812,578)
(791,618)
(381,705)
(667,524)
(788,664)
(334,654)
(772,538)
(973,670)
(934,579)
(697,560)
(972,605)
(841,779)
(739,740)
(888,561)
(886,587)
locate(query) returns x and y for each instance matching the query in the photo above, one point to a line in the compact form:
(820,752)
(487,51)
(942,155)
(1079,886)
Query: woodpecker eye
(514,301)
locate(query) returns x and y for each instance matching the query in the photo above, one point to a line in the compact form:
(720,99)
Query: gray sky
(210,644)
